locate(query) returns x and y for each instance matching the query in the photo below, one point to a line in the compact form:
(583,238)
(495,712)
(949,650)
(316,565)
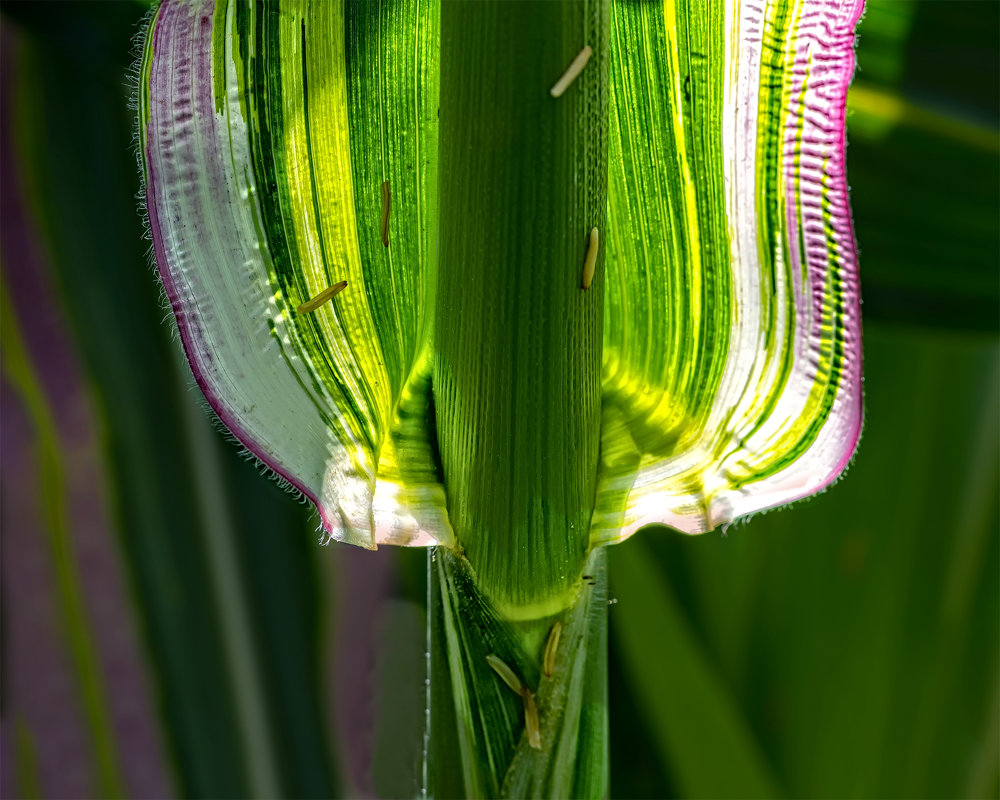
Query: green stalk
(517,376)
(517,394)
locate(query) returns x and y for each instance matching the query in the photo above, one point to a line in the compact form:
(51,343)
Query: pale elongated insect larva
(507,675)
(575,68)
(322,297)
(531,719)
(551,648)
(590,262)
(386,201)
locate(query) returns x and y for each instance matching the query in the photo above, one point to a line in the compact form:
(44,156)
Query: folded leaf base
(478,740)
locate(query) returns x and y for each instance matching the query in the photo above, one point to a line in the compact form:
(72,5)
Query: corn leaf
(267,136)
(732,323)
(732,327)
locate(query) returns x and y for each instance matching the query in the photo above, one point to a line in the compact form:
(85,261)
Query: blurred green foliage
(846,647)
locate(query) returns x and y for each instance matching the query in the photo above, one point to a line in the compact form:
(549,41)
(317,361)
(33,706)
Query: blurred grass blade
(92,689)
(687,708)
(400,699)
(732,339)
(253,728)
(125,348)
(77,699)
(924,166)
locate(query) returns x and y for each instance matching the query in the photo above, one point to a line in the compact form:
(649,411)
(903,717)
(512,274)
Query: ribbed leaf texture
(732,344)
(732,353)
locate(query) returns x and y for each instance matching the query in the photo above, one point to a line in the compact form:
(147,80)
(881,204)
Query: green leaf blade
(255,208)
(691,714)
(732,332)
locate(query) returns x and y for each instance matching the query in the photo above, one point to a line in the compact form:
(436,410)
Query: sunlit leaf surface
(732,331)
(268,135)
(289,150)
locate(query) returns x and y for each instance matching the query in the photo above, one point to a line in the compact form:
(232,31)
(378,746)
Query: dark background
(170,626)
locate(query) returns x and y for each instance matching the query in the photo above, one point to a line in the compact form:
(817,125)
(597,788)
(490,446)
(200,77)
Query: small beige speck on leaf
(590,262)
(575,68)
(322,297)
(386,203)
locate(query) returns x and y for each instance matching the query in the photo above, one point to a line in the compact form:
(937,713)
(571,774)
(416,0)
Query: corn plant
(511,281)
